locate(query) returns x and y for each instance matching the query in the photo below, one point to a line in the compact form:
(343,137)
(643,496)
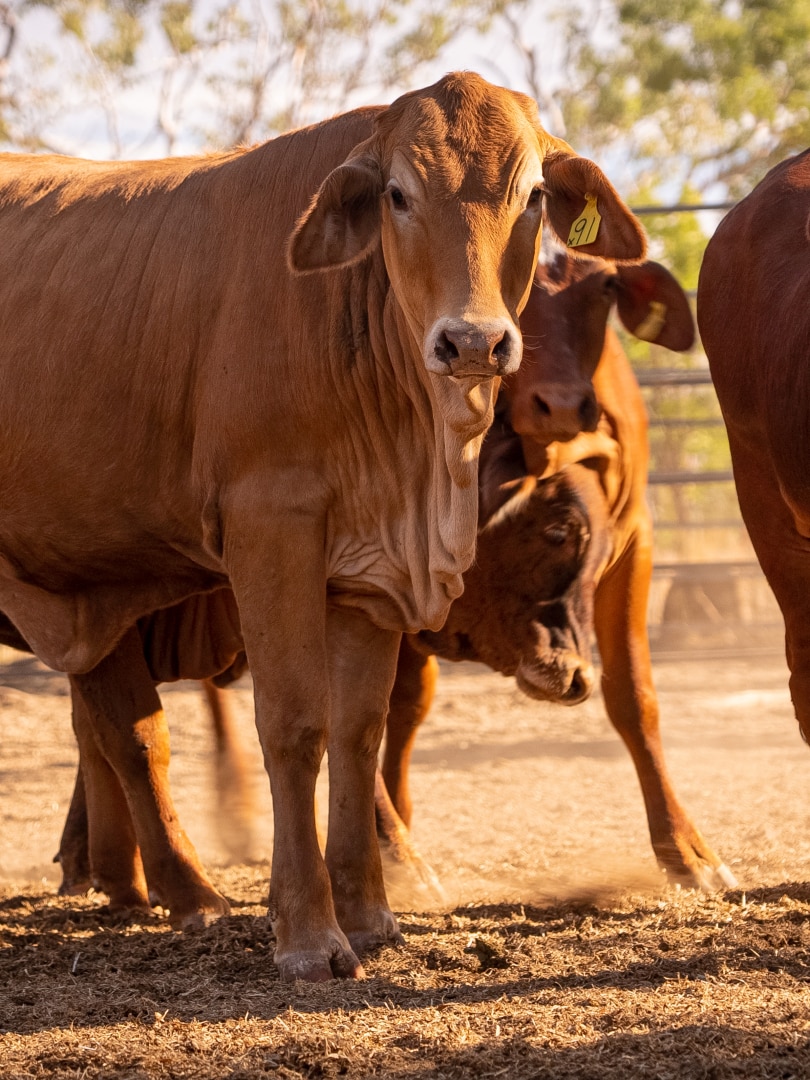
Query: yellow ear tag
(586,228)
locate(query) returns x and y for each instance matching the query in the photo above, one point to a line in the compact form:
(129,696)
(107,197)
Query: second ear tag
(586,227)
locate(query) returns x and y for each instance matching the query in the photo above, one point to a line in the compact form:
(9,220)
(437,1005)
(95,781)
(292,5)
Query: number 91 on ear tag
(586,227)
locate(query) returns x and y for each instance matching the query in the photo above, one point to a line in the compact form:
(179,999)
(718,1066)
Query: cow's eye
(397,198)
(536,195)
(611,286)
(556,534)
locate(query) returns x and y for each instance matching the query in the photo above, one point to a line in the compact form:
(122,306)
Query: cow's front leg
(277,568)
(118,711)
(362,665)
(620,617)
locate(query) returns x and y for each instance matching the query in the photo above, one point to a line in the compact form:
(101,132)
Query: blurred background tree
(127,77)
(706,92)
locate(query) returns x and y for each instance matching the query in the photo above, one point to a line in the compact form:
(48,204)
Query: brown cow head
(450,187)
(527,605)
(552,398)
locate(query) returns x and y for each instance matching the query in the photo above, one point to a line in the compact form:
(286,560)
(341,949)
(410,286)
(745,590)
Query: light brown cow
(504,617)
(181,410)
(754,322)
(528,604)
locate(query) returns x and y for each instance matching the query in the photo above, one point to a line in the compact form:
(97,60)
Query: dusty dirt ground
(560,952)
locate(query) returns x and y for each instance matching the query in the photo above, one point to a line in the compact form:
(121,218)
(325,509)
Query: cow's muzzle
(566,679)
(555,412)
(478,349)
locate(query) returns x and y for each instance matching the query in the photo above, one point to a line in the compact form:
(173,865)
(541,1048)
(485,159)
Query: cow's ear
(586,212)
(654,307)
(342,223)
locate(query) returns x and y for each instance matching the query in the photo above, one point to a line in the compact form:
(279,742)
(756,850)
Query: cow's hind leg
(99,830)
(783,552)
(236,811)
(73,854)
(620,617)
(121,708)
(362,667)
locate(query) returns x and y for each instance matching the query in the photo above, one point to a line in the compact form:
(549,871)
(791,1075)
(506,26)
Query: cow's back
(149,330)
(133,297)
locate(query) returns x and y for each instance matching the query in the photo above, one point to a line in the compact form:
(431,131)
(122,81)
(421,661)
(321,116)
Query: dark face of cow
(527,606)
(563,333)
(552,397)
(452,186)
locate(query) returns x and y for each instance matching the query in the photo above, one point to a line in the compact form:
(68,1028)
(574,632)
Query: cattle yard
(557,953)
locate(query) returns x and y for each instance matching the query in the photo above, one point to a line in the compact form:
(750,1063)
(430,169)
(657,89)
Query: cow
(574,400)
(270,368)
(753,321)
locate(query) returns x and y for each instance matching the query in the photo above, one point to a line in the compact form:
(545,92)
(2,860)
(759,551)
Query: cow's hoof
(410,882)
(76,877)
(380,930)
(702,875)
(200,916)
(717,878)
(75,887)
(123,895)
(319,966)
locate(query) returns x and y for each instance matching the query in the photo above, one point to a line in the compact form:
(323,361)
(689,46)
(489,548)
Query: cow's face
(451,185)
(552,397)
(527,605)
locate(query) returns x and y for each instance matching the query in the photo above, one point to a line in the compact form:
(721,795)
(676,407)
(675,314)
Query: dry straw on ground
(560,954)
(674,986)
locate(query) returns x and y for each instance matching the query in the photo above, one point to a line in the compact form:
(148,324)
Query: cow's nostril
(580,686)
(503,350)
(444,349)
(588,412)
(542,406)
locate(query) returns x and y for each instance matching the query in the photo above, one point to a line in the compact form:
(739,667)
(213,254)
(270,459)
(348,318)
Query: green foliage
(176,24)
(721,87)
(678,239)
(119,48)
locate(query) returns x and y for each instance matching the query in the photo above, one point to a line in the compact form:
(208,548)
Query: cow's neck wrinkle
(420,460)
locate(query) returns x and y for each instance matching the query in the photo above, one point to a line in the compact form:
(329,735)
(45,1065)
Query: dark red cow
(575,377)
(755,326)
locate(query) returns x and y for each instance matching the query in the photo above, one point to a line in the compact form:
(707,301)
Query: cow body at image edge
(754,323)
(181,409)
